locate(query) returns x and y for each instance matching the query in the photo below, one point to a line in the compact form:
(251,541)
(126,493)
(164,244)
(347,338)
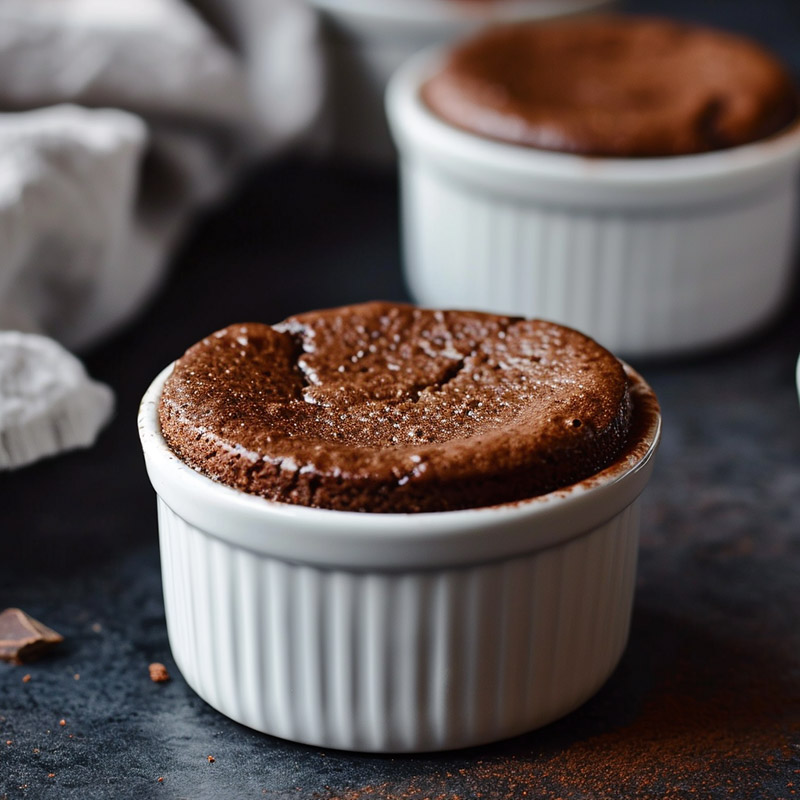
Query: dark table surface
(706,701)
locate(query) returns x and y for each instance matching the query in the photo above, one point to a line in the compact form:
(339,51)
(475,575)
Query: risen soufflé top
(614,86)
(391,408)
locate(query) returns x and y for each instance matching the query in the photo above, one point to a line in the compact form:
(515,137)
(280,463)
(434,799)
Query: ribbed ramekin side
(397,661)
(649,281)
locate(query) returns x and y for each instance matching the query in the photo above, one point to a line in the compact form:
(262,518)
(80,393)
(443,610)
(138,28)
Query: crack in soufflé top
(614,86)
(391,408)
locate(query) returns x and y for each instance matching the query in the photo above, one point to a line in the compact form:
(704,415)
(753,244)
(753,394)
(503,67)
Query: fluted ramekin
(397,632)
(651,257)
(367,40)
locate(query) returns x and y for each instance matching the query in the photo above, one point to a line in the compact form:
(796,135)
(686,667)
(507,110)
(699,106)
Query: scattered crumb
(160,780)
(26,677)
(97,627)
(36,750)
(211,759)
(76,676)
(158,672)
(9,741)
(51,774)
(62,722)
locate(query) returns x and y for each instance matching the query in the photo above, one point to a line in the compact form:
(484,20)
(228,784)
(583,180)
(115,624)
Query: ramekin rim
(406,108)
(446,12)
(154,445)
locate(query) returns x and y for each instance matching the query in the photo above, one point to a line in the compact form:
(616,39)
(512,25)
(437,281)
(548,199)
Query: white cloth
(47,402)
(118,119)
(68,186)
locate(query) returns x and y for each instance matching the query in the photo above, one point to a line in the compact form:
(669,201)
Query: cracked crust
(391,408)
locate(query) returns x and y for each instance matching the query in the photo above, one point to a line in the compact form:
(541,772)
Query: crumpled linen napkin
(47,400)
(117,120)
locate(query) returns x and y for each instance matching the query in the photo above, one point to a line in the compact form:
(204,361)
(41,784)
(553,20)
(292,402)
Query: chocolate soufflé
(391,408)
(614,86)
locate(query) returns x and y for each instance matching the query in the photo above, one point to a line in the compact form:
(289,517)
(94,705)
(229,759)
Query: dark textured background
(706,702)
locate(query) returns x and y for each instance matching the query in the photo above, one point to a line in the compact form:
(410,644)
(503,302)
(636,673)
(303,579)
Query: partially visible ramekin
(798,377)
(367,40)
(398,632)
(651,257)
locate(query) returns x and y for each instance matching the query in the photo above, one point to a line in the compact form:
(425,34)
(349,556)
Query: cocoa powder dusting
(720,720)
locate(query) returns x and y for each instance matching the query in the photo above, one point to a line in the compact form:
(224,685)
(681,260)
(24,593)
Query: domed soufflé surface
(391,408)
(614,86)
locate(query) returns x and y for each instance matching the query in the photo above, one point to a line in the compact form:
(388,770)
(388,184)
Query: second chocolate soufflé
(391,408)
(614,86)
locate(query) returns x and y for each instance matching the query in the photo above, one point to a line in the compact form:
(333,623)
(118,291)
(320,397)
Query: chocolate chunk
(22,638)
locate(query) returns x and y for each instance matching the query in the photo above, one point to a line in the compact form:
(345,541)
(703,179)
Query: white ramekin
(798,377)
(367,40)
(651,257)
(396,632)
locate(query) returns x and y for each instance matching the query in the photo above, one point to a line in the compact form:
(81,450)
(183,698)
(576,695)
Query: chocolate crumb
(22,638)
(211,759)
(158,672)
(26,678)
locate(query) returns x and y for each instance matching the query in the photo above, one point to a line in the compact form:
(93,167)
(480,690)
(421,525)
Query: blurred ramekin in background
(798,377)
(398,632)
(367,40)
(650,256)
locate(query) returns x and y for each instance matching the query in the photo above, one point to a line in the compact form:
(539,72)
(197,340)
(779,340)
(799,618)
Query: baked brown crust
(614,86)
(391,408)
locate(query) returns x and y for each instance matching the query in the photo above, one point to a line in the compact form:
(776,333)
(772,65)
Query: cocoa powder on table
(718,720)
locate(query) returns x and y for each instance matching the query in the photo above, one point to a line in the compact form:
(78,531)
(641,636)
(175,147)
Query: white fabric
(68,185)
(47,402)
(149,56)
(118,118)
